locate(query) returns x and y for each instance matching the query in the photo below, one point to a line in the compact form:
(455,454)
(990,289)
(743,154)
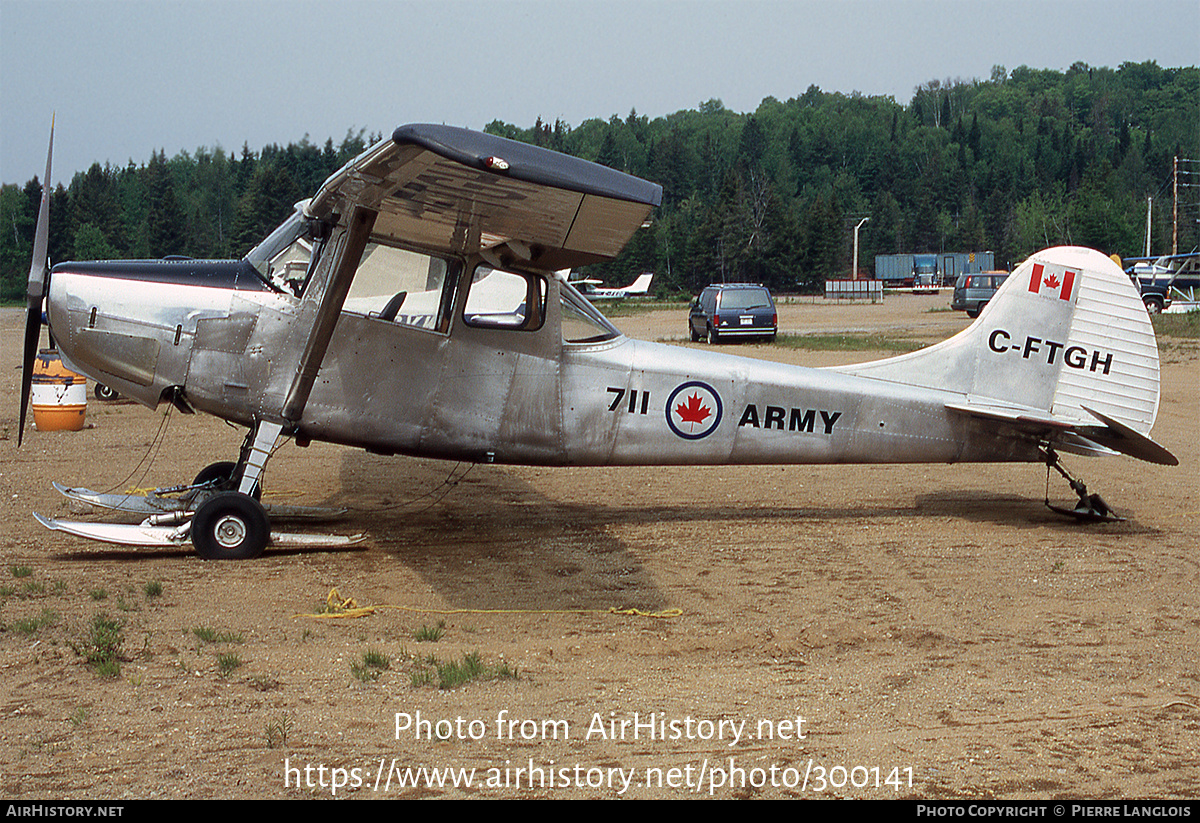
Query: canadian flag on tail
(1041,282)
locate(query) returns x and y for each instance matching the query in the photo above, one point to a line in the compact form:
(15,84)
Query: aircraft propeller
(39,274)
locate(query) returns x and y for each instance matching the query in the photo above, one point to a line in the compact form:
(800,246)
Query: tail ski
(1064,350)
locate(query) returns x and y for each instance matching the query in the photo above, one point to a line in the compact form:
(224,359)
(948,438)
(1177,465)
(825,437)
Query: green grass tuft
(101,647)
(430,634)
(207,634)
(30,625)
(227,662)
(450,674)
(277,731)
(373,664)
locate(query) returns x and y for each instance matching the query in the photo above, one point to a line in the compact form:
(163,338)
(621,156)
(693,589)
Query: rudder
(1066,332)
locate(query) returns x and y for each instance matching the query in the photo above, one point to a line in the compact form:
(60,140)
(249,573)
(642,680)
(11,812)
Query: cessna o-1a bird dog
(412,306)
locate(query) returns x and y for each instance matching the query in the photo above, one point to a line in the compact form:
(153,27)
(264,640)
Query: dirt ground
(928,631)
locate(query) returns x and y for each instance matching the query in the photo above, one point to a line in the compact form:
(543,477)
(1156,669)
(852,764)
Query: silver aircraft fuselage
(228,345)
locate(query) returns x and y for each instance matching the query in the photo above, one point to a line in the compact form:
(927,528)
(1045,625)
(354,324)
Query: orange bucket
(58,396)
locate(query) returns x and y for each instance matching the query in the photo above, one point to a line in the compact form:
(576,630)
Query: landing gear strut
(219,511)
(230,523)
(1090,507)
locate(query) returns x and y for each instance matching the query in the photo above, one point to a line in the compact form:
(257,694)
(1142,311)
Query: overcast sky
(126,78)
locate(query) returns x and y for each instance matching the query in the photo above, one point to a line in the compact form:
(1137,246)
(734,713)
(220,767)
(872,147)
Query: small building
(854,290)
(898,270)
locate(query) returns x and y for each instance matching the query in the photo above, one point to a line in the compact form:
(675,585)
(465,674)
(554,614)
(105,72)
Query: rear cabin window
(502,299)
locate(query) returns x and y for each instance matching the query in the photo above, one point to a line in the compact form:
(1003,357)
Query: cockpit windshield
(284,257)
(581,321)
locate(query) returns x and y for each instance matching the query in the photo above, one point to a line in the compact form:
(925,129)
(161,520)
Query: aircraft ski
(416,305)
(181,499)
(153,534)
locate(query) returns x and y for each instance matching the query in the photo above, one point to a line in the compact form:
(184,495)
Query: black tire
(973,313)
(106,393)
(1154,304)
(224,472)
(230,526)
(713,336)
(692,332)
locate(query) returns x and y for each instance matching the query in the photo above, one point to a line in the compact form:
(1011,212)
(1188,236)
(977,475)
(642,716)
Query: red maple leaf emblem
(1051,281)
(694,412)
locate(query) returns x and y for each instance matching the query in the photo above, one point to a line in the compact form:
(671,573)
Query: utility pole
(854,271)
(1146,252)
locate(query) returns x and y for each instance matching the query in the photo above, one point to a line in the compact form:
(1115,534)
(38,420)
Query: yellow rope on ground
(338,607)
(269,493)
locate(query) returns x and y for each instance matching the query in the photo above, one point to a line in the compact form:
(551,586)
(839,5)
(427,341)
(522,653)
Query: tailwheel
(1091,507)
(230,526)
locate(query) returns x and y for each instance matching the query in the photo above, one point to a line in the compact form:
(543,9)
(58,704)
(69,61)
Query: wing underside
(449,189)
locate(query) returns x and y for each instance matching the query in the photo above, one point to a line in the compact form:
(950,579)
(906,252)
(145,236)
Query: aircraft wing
(1108,437)
(447,189)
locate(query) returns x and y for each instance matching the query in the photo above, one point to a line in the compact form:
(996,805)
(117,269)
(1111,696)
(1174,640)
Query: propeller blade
(38,274)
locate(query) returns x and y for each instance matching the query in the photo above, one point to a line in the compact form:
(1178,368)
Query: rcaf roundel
(694,410)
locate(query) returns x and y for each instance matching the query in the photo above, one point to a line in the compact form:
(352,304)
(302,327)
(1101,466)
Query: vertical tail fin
(642,284)
(1067,334)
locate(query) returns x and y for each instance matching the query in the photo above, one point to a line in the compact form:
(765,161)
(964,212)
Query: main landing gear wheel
(223,476)
(106,393)
(230,526)
(220,475)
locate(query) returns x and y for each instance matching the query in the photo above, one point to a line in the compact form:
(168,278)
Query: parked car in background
(973,291)
(1172,278)
(731,310)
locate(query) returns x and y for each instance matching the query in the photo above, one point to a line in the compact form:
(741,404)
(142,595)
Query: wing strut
(362,221)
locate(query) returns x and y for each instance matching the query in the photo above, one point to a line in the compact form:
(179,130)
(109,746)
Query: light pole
(854,271)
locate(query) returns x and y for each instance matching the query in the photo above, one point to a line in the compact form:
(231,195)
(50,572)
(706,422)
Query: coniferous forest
(1022,160)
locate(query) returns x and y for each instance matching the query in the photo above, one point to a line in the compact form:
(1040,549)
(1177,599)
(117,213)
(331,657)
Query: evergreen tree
(164,218)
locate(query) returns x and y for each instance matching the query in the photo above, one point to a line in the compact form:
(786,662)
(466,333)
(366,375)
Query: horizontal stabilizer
(1029,419)
(1116,435)
(1074,435)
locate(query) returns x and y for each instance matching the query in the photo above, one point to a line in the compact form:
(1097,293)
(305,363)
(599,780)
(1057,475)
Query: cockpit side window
(403,287)
(505,300)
